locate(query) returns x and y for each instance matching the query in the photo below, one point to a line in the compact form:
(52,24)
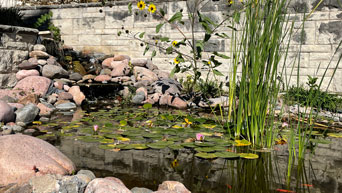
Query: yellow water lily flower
(141,5)
(176,61)
(174,43)
(152,8)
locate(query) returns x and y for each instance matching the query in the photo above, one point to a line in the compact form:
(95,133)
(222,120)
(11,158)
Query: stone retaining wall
(15,44)
(94,27)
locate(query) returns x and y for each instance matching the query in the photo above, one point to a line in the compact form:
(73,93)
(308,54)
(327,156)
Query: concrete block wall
(15,44)
(94,27)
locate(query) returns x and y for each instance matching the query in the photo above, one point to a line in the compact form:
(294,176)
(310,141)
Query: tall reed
(257,48)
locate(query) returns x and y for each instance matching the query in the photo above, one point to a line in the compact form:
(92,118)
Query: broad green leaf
(164,39)
(249,155)
(175,70)
(154,53)
(158,27)
(162,12)
(176,17)
(141,35)
(146,49)
(221,55)
(207,37)
(147,106)
(217,73)
(206,155)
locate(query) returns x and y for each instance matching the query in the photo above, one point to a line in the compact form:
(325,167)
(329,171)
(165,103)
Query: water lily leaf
(249,155)
(336,135)
(204,144)
(322,141)
(111,136)
(123,123)
(153,135)
(208,126)
(243,142)
(207,134)
(227,155)
(147,106)
(205,149)
(120,146)
(139,146)
(108,124)
(220,148)
(157,145)
(189,145)
(206,155)
(107,141)
(177,127)
(175,147)
(122,138)
(111,146)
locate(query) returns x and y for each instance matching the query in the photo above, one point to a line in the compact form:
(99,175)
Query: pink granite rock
(25,73)
(178,103)
(144,74)
(106,185)
(23,157)
(107,62)
(101,78)
(36,84)
(121,57)
(120,68)
(173,186)
(142,89)
(65,96)
(77,94)
(39,54)
(6,112)
(139,62)
(44,110)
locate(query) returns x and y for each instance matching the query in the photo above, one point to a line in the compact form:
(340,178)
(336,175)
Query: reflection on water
(320,172)
(148,168)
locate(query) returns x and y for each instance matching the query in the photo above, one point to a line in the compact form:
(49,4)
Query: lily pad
(111,146)
(206,155)
(89,139)
(336,135)
(175,147)
(227,155)
(243,142)
(189,145)
(205,149)
(139,146)
(249,155)
(204,144)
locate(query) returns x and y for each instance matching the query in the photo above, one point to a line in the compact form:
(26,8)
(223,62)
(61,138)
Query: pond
(166,149)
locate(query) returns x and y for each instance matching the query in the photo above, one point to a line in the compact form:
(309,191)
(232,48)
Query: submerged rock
(23,157)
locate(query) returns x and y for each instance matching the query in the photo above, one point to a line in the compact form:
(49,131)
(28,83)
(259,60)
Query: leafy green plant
(324,100)
(45,19)
(189,51)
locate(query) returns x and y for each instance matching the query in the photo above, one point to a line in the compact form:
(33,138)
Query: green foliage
(323,100)
(11,16)
(45,19)
(188,51)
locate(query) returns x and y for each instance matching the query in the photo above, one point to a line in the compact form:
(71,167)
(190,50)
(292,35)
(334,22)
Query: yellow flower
(230,2)
(187,121)
(209,62)
(141,5)
(174,43)
(176,61)
(152,8)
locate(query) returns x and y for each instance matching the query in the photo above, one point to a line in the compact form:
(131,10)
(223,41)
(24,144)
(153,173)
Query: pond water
(166,151)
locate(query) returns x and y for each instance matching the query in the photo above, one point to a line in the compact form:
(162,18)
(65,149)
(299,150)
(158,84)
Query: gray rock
(7,80)
(66,106)
(39,54)
(51,61)
(75,76)
(14,128)
(30,131)
(138,98)
(151,66)
(27,114)
(142,83)
(141,190)
(139,62)
(46,183)
(125,92)
(7,131)
(88,173)
(27,65)
(42,62)
(72,184)
(53,71)
(6,112)
(39,47)
(52,99)
(167,86)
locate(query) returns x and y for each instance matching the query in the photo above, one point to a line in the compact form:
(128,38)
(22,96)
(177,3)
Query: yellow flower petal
(174,43)
(176,61)
(152,8)
(141,5)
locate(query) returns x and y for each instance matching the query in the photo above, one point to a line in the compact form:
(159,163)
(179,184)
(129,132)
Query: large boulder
(27,114)
(36,84)
(142,73)
(25,73)
(106,185)
(23,157)
(54,71)
(167,86)
(6,112)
